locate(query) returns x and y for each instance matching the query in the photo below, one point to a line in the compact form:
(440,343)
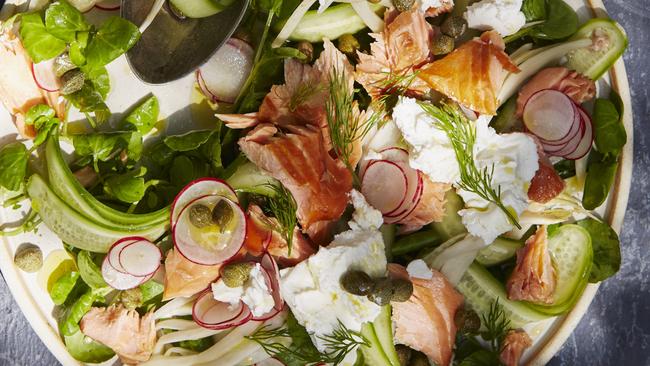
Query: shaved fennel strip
(176,307)
(292,22)
(155,9)
(176,324)
(372,20)
(184,335)
(179,351)
(520,51)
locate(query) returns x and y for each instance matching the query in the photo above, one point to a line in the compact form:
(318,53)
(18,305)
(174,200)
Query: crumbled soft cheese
(312,288)
(427,4)
(419,269)
(515,161)
(429,147)
(504,16)
(254,293)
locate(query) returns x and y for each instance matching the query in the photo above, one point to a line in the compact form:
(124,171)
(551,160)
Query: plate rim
(615,215)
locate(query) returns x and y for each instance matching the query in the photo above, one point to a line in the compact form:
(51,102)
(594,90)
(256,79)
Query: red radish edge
(536,127)
(398,201)
(246,53)
(576,126)
(147,242)
(116,5)
(587,140)
(43,84)
(204,89)
(115,262)
(242,316)
(243,235)
(271,266)
(185,189)
(113,277)
(271,361)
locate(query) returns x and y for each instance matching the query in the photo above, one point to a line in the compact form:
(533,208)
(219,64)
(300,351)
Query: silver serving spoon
(172,46)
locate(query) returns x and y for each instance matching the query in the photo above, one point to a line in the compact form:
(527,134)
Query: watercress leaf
(63,287)
(609,132)
(601,171)
(134,147)
(100,146)
(606,247)
(188,141)
(70,325)
(197,345)
(44,127)
(87,350)
(39,43)
(481,357)
(161,154)
(63,21)
(13,165)
(129,187)
(151,292)
(87,100)
(89,270)
(561,22)
(77,49)
(534,9)
(145,116)
(99,78)
(113,38)
(185,169)
(39,111)
(565,168)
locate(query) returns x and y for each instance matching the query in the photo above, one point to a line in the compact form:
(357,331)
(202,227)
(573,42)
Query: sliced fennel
(453,257)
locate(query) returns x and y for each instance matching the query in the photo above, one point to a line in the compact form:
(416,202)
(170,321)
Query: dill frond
(283,206)
(462,134)
(497,326)
(303,92)
(341,342)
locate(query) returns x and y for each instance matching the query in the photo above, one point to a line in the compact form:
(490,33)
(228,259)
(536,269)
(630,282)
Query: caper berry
(236,274)
(222,214)
(306,49)
(29,258)
(443,45)
(348,44)
(403,5)
(467,321)
(63,64)
(200,215)
(419,359)
(382,292)
(403,354)
(132,298)
(72,81)
(454,26)
(402,289)
(357,283)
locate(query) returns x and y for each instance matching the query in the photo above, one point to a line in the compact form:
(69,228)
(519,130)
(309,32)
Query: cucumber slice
(331,24)
(591,61)
(66,186)
(498,252)
(481,290)
(200,8)
(384,331)
(249,178)
(72,227)
(505,120)
(451,224)
(374,353)
(570,248)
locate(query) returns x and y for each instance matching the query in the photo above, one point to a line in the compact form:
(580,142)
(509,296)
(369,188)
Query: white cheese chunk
(255,293)
(503,16)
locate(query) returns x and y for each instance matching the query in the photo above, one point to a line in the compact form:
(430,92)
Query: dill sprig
(497,326)
(462,134)
(283,207)
(303,92)
(340,343)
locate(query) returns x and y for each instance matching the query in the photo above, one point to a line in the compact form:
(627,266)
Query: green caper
(443,45)
(402,289)
(403,354)
(419,359)
(467,321)
(72,81)
(29,258)
(454,26)
(132,298)
(357,283)
(236,274)
(382,292)
(403,5)
(306,49)
(200,215)
(63,64)
(222,214)
(348,44)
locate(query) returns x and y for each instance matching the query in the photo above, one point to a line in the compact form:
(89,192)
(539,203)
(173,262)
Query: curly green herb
(283,206)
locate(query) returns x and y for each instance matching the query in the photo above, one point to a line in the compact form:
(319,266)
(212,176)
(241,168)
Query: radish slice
(396,154)
(225,73)
(140,258)
(576,128)
(586,141)
(210,245)
(271,267)
(212,314)
(270,362)
(113,255)
(384,185)
(412,195)
(199,188)
(204,89)
(549,114)
(411,205)
(45,77)
(109,5)
(119,280)
(569,147)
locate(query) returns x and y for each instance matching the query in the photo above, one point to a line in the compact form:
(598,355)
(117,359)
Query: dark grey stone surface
(615,331)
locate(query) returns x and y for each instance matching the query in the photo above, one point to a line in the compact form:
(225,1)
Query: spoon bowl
(171,46)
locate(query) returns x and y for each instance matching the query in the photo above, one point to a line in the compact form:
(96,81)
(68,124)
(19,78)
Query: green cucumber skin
(72,227)
(580,59)
(373,354)
(66,186)
(572,274)
(199,8)
(384,331)
(451,224)
(481,289)
(498,252)
(249,178)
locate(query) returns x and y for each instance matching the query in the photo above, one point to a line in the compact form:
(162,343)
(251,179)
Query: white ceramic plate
(175,100)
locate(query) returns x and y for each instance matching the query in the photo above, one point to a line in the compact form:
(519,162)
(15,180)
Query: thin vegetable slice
(270,265)
(45,77)
(198,188)
(140,258)
(118,280)
(377,176)
(270,362)
(223,75)
(113,255)
(550,115)
(109,5)
(212,314)
(586,141)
